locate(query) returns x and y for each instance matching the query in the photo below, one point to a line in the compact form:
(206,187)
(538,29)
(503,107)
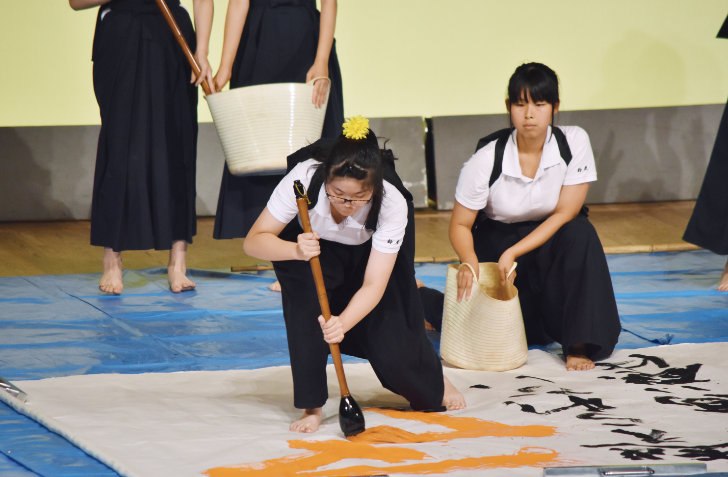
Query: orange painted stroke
(363,446)
(464,427)
(307,464)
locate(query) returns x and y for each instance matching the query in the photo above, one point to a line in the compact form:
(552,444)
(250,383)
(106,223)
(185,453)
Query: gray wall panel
(642,154)
(406,139)
(210,164)
(648,154)
(47,173)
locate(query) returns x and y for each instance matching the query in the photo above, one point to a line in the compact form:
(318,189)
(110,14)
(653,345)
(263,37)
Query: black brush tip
(351,418)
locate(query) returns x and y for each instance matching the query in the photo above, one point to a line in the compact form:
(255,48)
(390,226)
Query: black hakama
(278,45)
(564,286)
(144,184)
(392,336)
(708,226)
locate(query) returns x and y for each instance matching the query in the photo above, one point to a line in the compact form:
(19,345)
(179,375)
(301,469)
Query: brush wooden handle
(182,43)
(318,277)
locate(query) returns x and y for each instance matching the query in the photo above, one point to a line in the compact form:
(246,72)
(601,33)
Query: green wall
(419,57)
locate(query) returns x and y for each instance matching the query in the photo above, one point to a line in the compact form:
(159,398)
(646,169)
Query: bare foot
(111,279)
(723,286)
(309,422)
(178,281)
(452,399)
(577,360)
(177,268)
(275,286)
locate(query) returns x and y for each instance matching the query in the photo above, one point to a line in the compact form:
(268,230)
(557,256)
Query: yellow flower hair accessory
(356,127)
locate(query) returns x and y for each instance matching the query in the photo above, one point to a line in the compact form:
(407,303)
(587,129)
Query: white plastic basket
(259,126)
(486,332)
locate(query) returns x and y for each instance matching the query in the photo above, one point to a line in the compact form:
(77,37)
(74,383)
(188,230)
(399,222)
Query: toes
(301,428)
(580,366)
(455,406)
(110,289)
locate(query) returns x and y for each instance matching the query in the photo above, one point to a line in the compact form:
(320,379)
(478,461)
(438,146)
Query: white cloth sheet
(227,423)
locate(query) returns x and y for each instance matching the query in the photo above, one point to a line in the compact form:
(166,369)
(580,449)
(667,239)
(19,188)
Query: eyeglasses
(340,200)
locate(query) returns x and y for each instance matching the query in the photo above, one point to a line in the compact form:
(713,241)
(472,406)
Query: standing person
(359,214)
(274,41)
(520,198)
(708,226)
(144,184)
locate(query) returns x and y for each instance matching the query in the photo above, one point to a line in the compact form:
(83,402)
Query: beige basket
(486,332)
(259,126)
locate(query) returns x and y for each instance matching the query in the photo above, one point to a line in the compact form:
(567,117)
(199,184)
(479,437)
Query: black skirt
(392,336)
(144,184)
(708,226)
(564,286)
(278,45)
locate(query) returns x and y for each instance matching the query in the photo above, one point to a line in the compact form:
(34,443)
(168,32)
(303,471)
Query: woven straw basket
(259,126)
(486,332)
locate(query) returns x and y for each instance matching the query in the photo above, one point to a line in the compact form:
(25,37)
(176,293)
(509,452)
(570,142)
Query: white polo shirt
(352,231)
(515,197)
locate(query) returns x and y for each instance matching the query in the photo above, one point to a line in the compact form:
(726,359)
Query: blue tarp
(61,325)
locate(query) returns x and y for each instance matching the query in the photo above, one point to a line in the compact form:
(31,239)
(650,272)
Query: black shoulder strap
(493,137)
(390,175)
(564,148)
(315,150)
(314,187)
(501,137)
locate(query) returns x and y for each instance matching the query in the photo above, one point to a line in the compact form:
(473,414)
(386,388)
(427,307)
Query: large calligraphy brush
(182,43)
(351,418)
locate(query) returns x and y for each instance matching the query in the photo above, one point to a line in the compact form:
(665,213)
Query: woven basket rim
(509,284)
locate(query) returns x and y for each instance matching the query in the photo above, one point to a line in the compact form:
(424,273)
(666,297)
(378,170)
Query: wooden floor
(52,248)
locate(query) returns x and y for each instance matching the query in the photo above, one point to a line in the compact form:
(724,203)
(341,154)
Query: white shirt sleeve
(472,190)
(282,203)
(582,167)
(392,221)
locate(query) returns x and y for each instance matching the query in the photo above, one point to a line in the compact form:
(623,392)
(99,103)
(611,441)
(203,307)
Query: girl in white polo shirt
(521,198)
(363,222)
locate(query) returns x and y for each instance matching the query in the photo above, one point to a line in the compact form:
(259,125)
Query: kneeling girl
(520,198)
(363,232)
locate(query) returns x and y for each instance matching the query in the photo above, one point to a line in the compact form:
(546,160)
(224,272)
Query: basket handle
(469,266)
(515,264)
(511,270)
(313,81)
